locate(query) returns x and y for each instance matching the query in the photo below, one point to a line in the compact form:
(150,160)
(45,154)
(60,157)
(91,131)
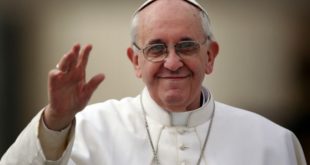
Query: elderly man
(173,121)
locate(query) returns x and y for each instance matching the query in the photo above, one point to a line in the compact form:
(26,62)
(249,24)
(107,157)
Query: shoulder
(110,111)
(246,120)
(248,132)
(110,106)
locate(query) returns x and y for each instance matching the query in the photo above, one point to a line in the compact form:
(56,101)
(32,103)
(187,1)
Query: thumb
(92,85)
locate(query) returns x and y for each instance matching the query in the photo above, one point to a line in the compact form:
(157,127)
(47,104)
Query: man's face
(174,83)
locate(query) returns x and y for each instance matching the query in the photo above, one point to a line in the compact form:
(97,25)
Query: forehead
(169,20)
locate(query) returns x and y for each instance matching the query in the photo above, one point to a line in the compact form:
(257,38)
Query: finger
(69,59)
(76,50)
(63,62)
(53,77)
(92,85)
(83,57)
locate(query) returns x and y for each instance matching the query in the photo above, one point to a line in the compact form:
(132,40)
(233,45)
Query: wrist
(56,121)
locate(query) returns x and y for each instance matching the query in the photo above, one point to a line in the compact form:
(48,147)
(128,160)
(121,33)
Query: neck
(182,109)
(198,102)
(192,117)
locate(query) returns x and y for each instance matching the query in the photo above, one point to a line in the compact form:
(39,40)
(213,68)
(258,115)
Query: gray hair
(205,22)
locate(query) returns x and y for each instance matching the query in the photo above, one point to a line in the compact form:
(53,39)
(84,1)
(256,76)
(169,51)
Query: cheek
(149,71)
(199,66)
(198,71)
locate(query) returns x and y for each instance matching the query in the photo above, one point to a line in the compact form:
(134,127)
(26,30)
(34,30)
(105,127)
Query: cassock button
(181,131)
(183,147)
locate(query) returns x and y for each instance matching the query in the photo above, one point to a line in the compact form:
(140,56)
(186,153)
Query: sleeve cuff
(53,143)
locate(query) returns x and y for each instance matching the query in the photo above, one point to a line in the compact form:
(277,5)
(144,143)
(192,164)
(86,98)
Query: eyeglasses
(158,52)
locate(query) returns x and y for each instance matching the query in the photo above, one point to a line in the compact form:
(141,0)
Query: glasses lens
(155,52)
(187,48)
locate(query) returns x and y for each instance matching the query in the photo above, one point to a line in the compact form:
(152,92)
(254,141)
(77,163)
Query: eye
(155,50)
(187,47)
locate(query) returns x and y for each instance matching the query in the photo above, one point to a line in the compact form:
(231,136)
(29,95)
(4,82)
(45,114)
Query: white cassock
(114,133)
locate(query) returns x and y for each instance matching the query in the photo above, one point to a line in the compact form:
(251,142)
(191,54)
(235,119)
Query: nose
(173,61)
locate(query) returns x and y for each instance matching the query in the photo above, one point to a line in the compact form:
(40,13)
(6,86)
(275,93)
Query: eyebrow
(160,41)
(186,39)
(155,41)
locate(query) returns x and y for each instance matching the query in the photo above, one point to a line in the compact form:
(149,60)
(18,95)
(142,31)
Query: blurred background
(263,65)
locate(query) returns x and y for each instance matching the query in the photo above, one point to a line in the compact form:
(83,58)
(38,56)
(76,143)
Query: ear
(134,58)
(211,54)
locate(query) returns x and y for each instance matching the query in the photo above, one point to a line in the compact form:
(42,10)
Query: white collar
(186,119)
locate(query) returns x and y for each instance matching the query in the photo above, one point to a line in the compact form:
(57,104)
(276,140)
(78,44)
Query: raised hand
(68,90)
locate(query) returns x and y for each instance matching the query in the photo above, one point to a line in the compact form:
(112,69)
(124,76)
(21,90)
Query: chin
(173,98)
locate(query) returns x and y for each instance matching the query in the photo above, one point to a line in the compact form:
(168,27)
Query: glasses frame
(166,53)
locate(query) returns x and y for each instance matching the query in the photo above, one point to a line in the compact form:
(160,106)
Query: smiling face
(174,83)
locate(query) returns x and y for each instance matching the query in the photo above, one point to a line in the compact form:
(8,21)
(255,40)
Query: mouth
(176,77)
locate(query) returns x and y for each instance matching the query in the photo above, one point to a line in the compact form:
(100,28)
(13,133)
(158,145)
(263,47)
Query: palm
(68,91)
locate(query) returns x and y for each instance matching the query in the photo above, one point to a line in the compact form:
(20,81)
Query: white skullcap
(191,2)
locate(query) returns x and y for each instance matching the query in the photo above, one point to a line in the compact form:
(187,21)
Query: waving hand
(68,90)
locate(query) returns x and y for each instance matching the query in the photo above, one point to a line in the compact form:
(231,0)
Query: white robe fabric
(114,133)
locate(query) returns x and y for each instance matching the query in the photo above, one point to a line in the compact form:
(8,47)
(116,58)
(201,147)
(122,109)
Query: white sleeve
(299,154)
(27,149)
(53,143)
